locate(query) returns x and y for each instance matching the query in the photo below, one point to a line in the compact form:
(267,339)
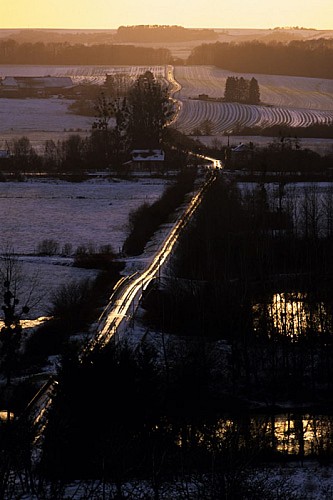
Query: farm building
(4,154)
(240,155)
(35,85)
(146,159)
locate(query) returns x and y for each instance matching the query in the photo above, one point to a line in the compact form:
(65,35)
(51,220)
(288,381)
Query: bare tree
(14,285)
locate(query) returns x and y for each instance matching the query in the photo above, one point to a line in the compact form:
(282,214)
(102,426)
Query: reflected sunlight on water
(4,415)
(301,434)
(290,314)
(289,433)
(30,323)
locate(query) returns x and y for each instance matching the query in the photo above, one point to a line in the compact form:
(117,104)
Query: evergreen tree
(241,90)
(254,92)
(230,89)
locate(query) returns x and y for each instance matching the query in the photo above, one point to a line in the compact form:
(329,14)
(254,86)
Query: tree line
(12,52)
(310,58)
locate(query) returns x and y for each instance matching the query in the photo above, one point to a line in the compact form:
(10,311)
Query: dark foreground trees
(120,420)
(257,276)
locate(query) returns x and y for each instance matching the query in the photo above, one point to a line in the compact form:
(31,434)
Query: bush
(69,300)
(48,247)
(91,258)
(67,249)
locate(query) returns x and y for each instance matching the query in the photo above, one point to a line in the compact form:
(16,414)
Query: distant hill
(162,33)
(87,37)
(178,40)
(140,34)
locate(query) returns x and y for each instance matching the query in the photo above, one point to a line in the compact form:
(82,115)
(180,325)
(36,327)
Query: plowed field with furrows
(286,100)
(228,116)
(277,90)
(82,73)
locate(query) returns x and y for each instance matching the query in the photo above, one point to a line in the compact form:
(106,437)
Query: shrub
(91,258)
(48,247)
(67,249)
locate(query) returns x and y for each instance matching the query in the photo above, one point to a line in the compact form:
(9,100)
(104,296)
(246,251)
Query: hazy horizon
(100,14)
(218,28)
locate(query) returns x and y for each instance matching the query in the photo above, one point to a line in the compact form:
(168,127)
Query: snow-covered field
(91,213)
(80,73)
(50,119)
(292,481)
(277,90)
(21,116)
(224,117)
(286,100)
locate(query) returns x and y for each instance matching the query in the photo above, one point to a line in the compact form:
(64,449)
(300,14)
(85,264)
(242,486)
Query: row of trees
(284,156)
(242,90)
(316,130)
(310,58)
(12,52)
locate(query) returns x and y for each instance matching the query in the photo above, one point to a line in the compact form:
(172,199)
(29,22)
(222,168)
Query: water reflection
(290,314)
(29,323)
(287,434)
(305,434)
(5,416)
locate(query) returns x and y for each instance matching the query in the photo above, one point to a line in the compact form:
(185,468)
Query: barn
(146,159)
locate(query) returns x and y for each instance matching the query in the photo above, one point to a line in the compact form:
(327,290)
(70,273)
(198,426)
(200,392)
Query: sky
(110,14)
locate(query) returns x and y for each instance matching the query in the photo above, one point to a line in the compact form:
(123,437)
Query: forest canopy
(310,58)
(12,52)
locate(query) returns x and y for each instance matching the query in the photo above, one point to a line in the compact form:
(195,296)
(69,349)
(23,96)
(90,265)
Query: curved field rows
(226,117)
(277,90)
(293,101)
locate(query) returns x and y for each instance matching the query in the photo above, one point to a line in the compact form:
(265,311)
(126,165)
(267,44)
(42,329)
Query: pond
(290,434)
(292,314)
